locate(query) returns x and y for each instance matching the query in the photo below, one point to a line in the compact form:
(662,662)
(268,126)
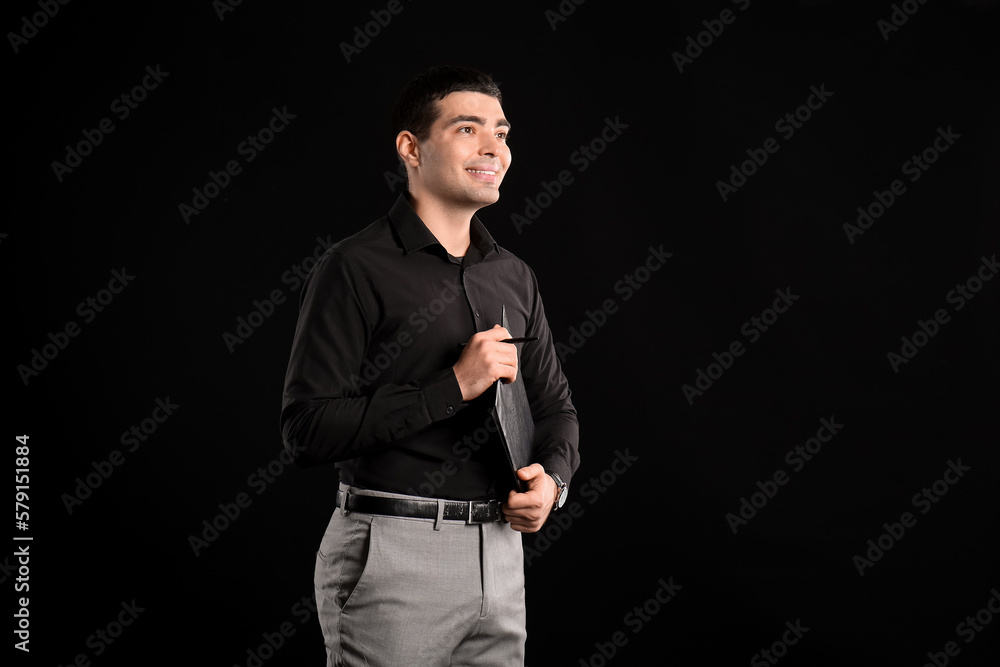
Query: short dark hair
(416,108)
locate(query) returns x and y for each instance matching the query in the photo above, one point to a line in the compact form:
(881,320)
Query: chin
(482,198)
(487,201)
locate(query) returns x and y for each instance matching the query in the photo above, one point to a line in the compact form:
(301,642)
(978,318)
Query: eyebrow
(478,120)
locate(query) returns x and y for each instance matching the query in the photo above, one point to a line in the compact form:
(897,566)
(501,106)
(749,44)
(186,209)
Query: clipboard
(514,421)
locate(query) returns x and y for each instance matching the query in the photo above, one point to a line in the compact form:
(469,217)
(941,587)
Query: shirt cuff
(559,466)
(442,395)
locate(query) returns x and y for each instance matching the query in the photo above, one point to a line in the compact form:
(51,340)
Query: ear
(408,147)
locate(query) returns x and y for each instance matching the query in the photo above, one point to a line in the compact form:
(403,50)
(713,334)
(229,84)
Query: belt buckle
(482,516)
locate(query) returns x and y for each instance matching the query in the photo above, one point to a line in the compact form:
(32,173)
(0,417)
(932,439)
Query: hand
(528,511)
(484,360)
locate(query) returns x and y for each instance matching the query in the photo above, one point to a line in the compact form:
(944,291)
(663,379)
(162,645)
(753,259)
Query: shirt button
(449,410)
(477,313)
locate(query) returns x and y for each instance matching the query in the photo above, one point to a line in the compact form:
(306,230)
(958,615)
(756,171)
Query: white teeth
(480,171)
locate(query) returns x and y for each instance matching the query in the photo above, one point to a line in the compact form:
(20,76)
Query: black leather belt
(469,511)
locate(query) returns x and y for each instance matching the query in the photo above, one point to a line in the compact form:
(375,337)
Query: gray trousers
(394,591)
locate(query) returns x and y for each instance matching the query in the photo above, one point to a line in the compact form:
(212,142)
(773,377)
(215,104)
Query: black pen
(525,339)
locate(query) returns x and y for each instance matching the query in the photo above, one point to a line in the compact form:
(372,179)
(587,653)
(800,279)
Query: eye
(502,135)
(467,129)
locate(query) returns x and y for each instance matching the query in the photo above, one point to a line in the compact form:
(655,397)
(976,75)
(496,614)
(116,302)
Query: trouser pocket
(343,557)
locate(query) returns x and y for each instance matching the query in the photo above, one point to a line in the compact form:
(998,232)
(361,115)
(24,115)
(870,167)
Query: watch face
(562,490)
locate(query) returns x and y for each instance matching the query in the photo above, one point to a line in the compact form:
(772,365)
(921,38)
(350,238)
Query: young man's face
(465,156)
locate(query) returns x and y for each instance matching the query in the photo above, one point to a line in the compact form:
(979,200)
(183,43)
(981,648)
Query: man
(392,376)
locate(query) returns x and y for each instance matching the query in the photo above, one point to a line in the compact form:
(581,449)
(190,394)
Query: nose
(492,145)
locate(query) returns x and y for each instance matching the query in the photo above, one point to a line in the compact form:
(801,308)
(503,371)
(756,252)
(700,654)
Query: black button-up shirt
(370,384)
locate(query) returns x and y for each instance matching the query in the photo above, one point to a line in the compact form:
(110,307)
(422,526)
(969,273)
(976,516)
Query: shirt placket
(478,306)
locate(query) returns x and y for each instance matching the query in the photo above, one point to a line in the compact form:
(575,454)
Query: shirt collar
(414,233)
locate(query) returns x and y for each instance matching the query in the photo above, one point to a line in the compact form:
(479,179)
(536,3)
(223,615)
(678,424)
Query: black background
(325,176)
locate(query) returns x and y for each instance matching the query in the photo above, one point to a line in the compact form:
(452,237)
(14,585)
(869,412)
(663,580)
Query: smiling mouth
(485,176)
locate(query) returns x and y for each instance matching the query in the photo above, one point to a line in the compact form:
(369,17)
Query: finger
(505,367)
(526,527)
(517,502)
(527,510)
(524,514)
(506,357)
(496,334)
(499,333)
(526,520)
(521,511)
(528,473)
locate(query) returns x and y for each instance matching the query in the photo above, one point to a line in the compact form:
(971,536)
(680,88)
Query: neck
(449,226)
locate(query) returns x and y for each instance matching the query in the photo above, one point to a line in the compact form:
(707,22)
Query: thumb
(531,472)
